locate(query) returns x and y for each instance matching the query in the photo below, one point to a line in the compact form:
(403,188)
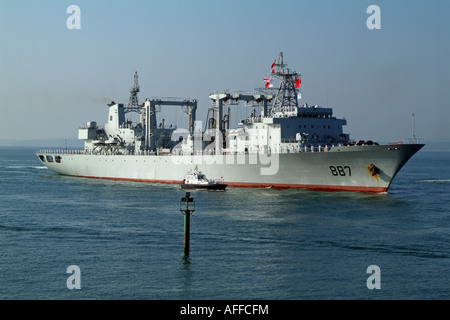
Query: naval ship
(282,144)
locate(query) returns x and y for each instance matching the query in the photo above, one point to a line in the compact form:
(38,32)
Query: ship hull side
(340,169)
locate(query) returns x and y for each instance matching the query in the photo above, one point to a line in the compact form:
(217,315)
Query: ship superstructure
(281,144)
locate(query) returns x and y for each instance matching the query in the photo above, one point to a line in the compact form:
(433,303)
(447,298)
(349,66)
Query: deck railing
(276,149)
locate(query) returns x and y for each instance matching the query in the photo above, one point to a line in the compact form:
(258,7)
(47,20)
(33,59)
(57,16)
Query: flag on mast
(273,66)
(267,82)
(297,83)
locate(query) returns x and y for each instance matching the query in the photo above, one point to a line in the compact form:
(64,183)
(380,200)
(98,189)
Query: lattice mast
(133,103)
(286,98)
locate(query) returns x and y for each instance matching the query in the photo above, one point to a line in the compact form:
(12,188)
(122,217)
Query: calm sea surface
(127,238)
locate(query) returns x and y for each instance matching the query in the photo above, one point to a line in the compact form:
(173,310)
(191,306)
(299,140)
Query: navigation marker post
(190,208)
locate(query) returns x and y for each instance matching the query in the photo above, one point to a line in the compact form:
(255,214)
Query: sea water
(126,238)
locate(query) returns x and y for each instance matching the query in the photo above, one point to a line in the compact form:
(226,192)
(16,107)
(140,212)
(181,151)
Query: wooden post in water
(190,208)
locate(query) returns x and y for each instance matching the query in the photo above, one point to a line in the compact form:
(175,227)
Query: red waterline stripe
(263,185)
(307,186)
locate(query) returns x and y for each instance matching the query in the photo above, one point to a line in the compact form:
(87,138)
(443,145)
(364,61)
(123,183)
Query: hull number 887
(341,171)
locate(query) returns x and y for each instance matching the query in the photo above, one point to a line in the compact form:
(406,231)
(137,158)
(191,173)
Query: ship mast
(286,98)
(133,104)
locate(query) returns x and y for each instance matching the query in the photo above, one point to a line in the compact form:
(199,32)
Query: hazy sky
(52,79)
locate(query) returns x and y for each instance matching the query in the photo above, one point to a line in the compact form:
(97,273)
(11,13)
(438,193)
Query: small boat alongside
(197,181)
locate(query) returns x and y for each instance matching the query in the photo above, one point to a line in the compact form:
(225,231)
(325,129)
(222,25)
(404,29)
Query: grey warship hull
(344,168)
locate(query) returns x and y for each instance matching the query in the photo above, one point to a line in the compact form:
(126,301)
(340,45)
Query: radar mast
(133,103)
(286,98)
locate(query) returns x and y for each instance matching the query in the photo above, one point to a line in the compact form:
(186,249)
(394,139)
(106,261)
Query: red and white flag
(267,82)
(273,66)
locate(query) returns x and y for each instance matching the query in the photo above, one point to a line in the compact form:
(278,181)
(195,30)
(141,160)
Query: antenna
(413,127)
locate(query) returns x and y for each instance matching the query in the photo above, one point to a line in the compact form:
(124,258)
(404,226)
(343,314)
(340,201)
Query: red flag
(297,83)
(273,64)
(273,70)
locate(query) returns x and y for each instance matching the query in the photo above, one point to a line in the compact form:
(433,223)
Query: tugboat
(197,180)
